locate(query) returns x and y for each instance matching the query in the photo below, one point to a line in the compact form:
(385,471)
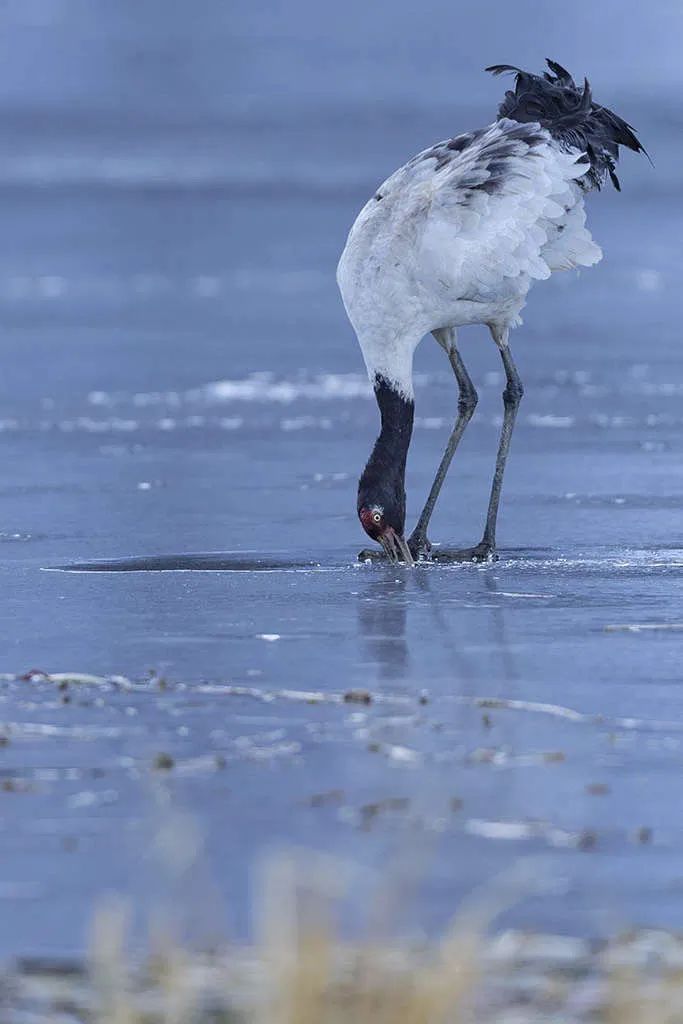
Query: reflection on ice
(212,561)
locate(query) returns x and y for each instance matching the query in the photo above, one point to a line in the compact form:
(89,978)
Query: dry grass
(301,972)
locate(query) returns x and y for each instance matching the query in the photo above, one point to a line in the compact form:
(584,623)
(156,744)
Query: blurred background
(176,184)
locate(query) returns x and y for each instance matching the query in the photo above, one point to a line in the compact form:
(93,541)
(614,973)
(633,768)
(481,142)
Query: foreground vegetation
(301,971)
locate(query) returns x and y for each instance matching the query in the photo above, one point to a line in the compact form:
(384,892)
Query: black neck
(383,477)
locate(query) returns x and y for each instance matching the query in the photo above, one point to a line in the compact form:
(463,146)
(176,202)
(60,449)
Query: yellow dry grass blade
(302,970)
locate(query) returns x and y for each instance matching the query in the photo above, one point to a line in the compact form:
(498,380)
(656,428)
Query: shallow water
(179,378)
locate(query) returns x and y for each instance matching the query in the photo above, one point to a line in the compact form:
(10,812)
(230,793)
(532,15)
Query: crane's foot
(482,552)
(377,555)
(372,555)
(420,547)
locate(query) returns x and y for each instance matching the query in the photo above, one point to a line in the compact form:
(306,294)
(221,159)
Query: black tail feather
(571,116)
(561,74)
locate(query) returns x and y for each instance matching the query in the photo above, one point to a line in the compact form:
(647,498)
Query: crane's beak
(395,547)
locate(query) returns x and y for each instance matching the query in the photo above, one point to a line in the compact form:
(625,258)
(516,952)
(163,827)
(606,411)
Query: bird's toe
(482,552)
(420,548)
(371,555)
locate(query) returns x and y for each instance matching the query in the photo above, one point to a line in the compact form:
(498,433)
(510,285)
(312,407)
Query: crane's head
(384,524)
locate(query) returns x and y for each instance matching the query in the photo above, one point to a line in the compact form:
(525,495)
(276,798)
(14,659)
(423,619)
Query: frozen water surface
(178,377)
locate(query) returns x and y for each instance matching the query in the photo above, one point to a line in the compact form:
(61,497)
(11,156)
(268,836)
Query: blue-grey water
(178,376)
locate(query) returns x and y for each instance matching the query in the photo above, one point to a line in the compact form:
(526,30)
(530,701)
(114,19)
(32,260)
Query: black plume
(571,116)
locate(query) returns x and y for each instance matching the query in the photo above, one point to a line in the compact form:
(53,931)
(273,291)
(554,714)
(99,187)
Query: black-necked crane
(457,236)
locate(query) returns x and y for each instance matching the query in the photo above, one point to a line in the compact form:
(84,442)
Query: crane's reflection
(409,620)
(382,614)
(444,631)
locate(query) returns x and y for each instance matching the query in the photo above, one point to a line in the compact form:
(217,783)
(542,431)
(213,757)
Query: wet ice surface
(179,378)
(514,710)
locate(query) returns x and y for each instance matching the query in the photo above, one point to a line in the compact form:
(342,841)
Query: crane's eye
(377,517)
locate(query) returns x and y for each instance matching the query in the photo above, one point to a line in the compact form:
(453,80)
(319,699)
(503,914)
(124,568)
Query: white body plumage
(457,236)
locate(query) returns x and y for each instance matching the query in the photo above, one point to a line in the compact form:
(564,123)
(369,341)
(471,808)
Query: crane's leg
(467,401)
(512,396)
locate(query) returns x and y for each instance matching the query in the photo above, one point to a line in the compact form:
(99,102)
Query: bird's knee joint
(513,393)
(467,403)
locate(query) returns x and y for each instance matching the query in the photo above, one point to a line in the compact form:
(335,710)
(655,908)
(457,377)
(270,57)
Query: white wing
(457,235)
(503,204)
